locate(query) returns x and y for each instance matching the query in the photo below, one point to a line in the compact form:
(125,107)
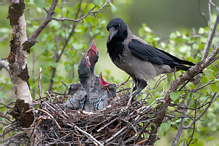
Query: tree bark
(17,57)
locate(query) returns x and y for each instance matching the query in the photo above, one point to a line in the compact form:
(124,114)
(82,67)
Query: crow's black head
(117,29)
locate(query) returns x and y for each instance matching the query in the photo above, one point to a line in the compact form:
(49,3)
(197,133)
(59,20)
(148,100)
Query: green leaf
(150,101)
(68,67)
(2,94)
(113,8)
(214,88)
(40,3)
(174,96)
(165,126)
(187,95)
(192,86)
(201,46)
(100,15)
(204,79)
(203,98)
(94,21)
(152,90)
(50,1)
(45,79)
(201,30)
(30,2)
(77,46)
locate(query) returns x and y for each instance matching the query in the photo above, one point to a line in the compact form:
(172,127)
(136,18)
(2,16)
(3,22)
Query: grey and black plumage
(78,97)
(136,57)
(84,73)
(92,93)
(93,56)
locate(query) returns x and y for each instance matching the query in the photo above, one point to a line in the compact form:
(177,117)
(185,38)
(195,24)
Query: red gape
(103,84)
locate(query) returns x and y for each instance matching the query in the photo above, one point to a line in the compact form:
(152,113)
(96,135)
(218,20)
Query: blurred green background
(154,21)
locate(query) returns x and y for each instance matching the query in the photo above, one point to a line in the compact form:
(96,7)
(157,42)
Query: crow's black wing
(148,53)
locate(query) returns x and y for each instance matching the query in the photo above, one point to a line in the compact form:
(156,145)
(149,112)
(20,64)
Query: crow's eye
(116,26)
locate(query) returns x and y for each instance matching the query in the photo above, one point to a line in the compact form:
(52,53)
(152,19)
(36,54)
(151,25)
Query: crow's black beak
(112,33)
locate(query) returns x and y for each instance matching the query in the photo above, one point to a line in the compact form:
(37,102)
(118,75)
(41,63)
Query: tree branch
(4,64)
(86,134)
(33,39)
(182,78)
(2,3)
(212,100)
(180,129)
(77,20)
(201,13)
(210,37)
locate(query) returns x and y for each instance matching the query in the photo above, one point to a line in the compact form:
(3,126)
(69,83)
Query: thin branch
(116,134)
(182,78)
(2,3)
(210,37)
(193,131)
(4,64)
(212,100)
(86,134)
(122,83)
(202,13)
(50,117)
(42,26)
(196,89)
(180,129)
(39,83)
(4,37)
(77,20)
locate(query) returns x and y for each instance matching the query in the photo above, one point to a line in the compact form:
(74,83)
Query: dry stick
(23,132)
(107,124)
(130,98)
(120,84)
(89,136)
(112,137)
(39,83)
(65,85)
(130,125)
(51,117)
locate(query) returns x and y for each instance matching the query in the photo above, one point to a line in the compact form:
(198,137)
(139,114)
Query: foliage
(188,45)
(62,44)
(63,37)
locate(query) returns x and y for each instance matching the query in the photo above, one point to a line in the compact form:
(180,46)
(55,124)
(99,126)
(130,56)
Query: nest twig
(115,125)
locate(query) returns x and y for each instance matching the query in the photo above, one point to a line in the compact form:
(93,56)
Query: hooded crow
(136,57)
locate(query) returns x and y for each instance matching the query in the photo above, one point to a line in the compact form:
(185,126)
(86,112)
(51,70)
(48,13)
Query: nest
(120,123)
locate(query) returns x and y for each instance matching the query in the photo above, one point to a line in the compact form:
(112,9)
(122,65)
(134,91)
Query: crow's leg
(141,85)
